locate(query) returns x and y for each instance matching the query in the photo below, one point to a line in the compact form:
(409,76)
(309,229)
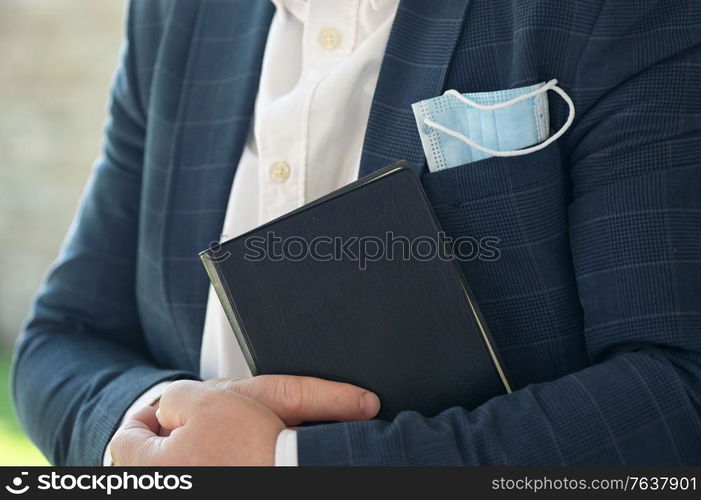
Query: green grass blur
(15,447)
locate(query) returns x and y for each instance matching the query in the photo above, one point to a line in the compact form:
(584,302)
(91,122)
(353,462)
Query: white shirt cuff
(286,449)
(147,398)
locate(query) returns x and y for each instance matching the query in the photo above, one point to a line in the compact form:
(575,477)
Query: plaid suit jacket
(595,302)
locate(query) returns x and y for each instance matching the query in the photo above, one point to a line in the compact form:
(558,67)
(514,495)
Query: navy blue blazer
(595,302)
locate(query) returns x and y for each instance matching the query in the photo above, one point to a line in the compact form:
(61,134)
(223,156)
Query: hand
(233,422)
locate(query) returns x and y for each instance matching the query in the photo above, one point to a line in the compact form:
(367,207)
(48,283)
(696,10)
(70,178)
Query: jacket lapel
(216,94)
(418,53)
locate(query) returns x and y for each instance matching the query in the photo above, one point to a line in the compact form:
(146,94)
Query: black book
(350,288)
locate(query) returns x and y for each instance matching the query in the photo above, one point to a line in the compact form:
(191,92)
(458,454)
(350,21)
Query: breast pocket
(524,281)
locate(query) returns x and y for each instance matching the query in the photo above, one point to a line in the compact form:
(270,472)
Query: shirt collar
(298,8)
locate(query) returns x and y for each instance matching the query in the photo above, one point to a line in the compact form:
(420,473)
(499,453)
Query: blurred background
(57,62)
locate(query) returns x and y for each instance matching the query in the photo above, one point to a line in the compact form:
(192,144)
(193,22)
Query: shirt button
(280,171)
(329,38)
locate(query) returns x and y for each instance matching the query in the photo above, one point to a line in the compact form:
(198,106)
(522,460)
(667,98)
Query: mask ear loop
(551,85)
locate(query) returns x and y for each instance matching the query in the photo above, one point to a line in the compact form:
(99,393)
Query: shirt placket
(283,133)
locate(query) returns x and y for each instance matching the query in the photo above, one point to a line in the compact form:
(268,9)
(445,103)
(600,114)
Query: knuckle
(173,389)
(245,387)
(290,392)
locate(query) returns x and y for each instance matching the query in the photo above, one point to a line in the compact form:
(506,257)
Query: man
(221,120)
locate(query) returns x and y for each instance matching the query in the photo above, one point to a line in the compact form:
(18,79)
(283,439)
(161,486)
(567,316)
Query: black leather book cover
(319,292)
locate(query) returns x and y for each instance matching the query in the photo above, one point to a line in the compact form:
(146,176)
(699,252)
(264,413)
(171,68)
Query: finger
(162,431)
(179,402)
(136,442)
(299,399)
(145,416)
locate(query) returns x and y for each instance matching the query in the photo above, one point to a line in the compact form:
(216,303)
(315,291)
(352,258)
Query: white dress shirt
(320,68)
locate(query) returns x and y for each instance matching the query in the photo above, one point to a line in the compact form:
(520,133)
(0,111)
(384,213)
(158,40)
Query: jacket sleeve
(82,358)
(635,220)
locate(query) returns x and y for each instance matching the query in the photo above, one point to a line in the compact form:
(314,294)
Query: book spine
(220,289)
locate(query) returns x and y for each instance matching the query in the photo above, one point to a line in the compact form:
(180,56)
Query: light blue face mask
(456,128)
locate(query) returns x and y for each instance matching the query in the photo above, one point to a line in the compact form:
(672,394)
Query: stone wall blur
(56,61)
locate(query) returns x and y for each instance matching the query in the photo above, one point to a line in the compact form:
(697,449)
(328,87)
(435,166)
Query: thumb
(300,399)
